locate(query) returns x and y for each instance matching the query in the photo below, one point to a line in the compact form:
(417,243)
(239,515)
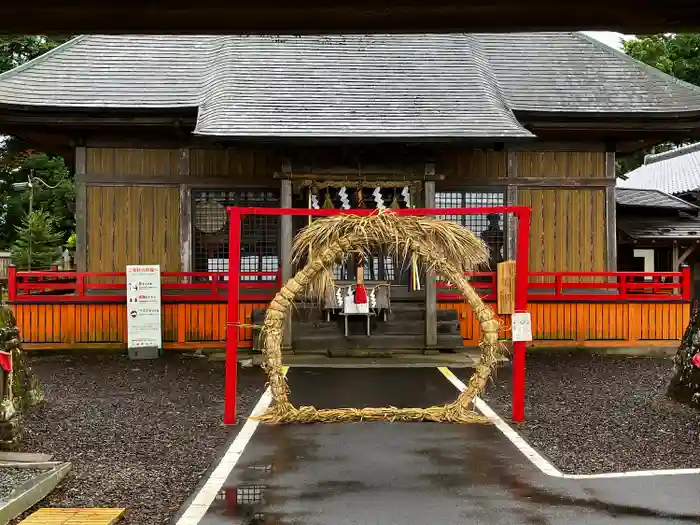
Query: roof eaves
(677,152)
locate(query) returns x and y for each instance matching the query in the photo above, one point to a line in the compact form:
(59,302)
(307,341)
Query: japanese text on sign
(143,306)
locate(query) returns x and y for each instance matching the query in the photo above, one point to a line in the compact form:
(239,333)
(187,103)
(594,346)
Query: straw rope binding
(446,248)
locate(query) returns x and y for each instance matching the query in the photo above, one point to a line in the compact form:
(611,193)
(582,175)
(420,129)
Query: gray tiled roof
(652,199)
(570,72)
(674,172)
(451,85)
(660,227)
(434,85)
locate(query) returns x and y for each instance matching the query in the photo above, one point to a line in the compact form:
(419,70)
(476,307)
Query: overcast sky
(608,37)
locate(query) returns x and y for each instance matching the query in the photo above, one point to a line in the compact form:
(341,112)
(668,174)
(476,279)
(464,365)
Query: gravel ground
(140,434)
(593,414)
(11,477)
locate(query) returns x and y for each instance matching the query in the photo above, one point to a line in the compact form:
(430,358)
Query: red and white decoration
(696,360)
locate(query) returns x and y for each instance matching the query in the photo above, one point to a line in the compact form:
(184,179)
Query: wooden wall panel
(464,165)
(568,229)
(133,225)
(109,162)
(257,166)
(561,164)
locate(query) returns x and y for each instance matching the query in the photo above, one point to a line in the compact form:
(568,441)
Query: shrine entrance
(403,277)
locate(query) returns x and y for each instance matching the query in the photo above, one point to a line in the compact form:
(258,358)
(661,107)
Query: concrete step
(374,342)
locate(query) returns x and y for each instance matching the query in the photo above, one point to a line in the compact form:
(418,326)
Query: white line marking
(206,495)
(536,458)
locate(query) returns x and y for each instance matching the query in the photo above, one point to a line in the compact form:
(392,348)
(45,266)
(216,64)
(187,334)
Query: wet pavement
(419,473)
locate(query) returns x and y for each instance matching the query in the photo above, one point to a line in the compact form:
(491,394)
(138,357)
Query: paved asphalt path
(419,473)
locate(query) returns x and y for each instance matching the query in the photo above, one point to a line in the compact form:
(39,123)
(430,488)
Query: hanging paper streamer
(406,194)
(313,201)
(378,198)
(373,298)
(339,296)
(344,201)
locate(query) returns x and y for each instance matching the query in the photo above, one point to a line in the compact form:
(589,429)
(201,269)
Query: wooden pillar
(510,222)
(610,214)
(81,246)
(185,214)
(286,235)
(431,336)
(675,257)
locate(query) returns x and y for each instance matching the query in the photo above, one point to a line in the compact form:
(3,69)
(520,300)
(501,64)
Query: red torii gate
(236,214)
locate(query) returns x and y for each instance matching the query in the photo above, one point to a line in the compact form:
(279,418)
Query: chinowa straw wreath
(447,249)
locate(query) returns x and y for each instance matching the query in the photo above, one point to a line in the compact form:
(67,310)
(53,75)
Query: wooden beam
(561,182)
(185,213)
(538,145)
(431,335)
(529,182)
(286,234)
(215,182)
(80,209)
(346,16)
(683,256)
(78,119)
(610,214)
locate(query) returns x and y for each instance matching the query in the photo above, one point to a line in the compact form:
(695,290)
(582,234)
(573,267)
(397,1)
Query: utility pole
(18,186)
(31,208)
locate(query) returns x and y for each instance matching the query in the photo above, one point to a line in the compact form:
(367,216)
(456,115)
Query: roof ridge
(637,63)
(41,58)
(665,155)
(489,81)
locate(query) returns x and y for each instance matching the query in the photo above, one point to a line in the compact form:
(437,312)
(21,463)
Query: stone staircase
(402,331)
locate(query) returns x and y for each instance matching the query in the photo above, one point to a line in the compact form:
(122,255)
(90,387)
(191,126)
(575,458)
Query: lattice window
(259,234)
(492,231)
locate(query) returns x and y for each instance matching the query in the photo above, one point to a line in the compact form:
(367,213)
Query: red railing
(86,287)
(110,287)
(586,286)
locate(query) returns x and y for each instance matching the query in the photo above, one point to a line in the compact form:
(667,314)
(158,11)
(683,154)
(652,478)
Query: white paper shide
(143,307)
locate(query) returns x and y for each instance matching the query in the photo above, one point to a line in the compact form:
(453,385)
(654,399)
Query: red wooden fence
(86,287)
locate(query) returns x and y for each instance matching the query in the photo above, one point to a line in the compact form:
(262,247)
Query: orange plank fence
(57,310)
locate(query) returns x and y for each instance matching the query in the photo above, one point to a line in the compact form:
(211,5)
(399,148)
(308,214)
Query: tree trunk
(685,383)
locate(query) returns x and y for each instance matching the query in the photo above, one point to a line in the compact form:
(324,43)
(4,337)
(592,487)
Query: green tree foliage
(53,191)
(675,54)
(57,196)
(37,242)
(15,50)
